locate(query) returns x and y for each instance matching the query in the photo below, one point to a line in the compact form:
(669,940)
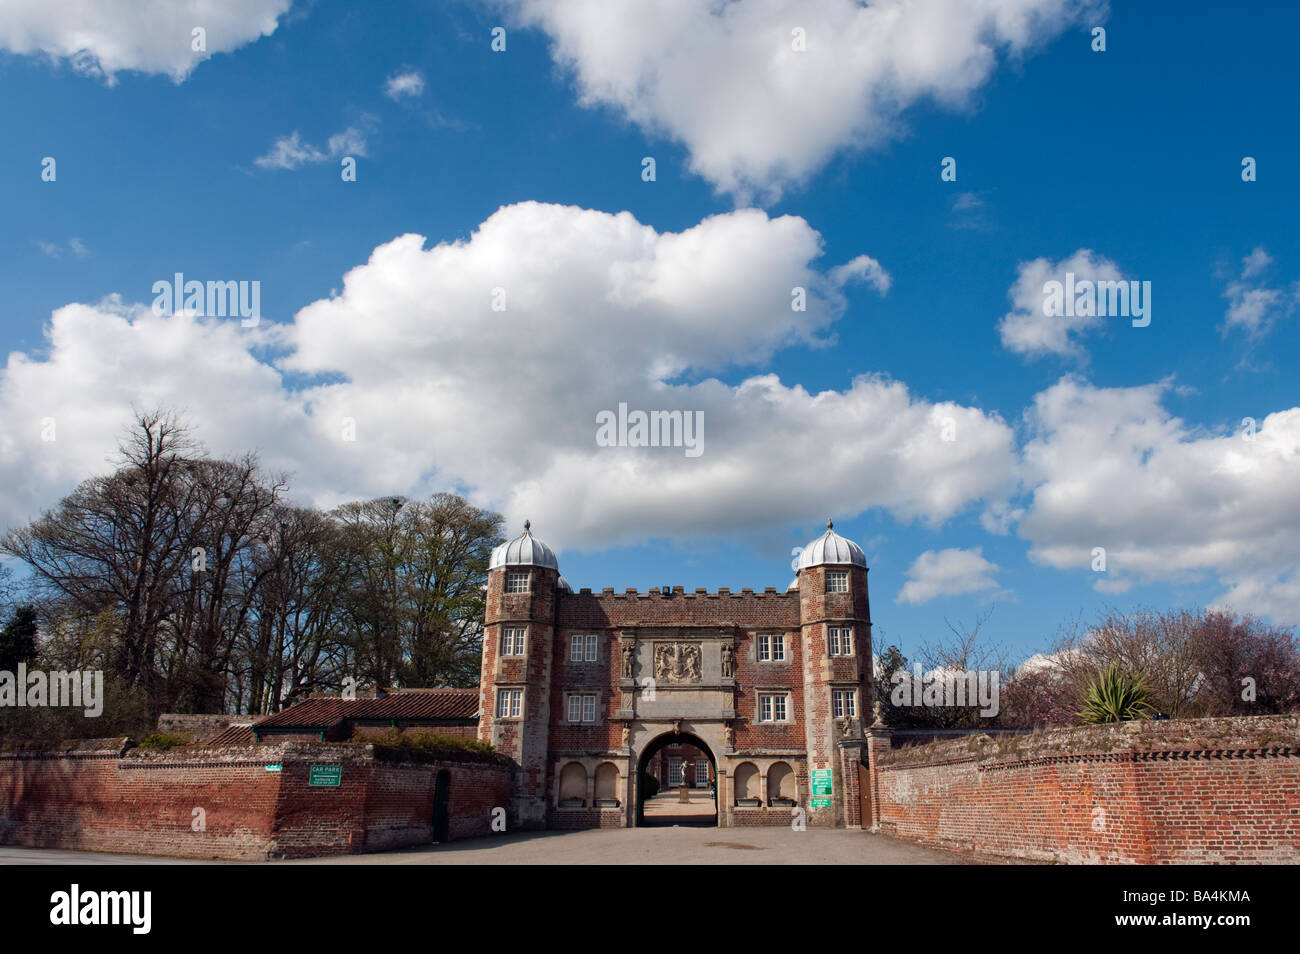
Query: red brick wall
(1197,791)
(143,803)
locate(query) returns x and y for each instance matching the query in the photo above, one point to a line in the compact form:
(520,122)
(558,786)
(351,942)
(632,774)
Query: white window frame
(771,647)
(835,576)
(510,703)
(701,772)
(593,651)
(768,705)
(580,708)
(675,768)
(839,640)
(516,578)
(575,648)
(513,640)
(839,698)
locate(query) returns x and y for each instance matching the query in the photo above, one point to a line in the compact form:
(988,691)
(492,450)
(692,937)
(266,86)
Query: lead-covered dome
(830,547)
(523,550)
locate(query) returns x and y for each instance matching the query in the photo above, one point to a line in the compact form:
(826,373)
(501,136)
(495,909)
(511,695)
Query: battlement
(679,592)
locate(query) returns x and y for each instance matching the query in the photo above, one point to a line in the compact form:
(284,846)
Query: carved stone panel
(677,663)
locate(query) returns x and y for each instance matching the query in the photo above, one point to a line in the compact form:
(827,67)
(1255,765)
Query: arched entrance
(658,775)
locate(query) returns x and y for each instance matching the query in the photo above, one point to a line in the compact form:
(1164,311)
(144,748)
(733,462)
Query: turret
(835,626)
(515,683)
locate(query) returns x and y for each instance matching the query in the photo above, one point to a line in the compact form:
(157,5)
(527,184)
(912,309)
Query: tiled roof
(403,704)
(233,735)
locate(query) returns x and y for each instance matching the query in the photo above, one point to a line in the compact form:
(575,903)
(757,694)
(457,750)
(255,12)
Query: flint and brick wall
(95,799)
(1195,791)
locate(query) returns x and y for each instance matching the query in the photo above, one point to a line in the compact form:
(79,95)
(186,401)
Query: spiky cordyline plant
(1115,696)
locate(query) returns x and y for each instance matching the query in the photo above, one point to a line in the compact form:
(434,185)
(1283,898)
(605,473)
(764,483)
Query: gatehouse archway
(659,777)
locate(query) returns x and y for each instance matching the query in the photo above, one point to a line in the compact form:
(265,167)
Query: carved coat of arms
(677,662)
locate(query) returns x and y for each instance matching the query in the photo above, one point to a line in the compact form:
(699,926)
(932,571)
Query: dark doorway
(658,804)
(441,797)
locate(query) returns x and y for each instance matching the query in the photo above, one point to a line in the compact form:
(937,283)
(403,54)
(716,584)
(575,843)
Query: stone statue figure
(629,659)
(727,654)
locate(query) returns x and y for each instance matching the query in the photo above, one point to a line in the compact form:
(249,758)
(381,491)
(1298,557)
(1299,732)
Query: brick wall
(1195,791)
(144,802)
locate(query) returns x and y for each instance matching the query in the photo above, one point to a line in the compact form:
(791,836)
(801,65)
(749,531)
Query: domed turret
(830,547)
(524,550)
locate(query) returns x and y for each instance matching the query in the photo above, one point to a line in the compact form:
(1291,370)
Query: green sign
(331,775)
(273,767)
(821,788)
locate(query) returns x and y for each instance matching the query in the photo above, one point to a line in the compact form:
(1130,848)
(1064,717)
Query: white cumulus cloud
(1112,468)
(409,83)
(1028,330)
(101,38)
(755,111)
(290,152)
(446,392)
(951,572)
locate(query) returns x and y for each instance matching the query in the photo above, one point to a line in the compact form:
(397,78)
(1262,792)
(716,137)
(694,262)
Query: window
(844,703)
(516,582)
(510,703)
(701,773)
(837,581)
(582,708)
(582,648)
(840,639)
(674,772)
(512,641)
(772,707)
(771,647)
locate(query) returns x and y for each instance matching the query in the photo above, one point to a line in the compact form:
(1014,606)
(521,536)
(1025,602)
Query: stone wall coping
(1164,740)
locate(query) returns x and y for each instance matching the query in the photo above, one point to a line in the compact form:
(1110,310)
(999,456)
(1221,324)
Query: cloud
(1027,330)
(755,113)
(1112,468)
(290,152)
(1253,306)
(951,572)
(100,38)
(410,84)
(445,392)
(970,211)
(75,247)
(864,268)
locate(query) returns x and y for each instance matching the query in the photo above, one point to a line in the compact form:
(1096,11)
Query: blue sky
(1128,159)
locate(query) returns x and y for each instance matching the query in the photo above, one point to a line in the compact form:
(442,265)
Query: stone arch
(607,782)
(781,783)
(747,783)
(573,785)
(678,732)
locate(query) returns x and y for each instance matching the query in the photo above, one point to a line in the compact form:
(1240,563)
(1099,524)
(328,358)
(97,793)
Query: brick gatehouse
(585,690)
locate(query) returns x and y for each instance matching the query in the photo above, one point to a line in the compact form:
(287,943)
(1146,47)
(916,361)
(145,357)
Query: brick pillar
(878,743)
(851,758)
